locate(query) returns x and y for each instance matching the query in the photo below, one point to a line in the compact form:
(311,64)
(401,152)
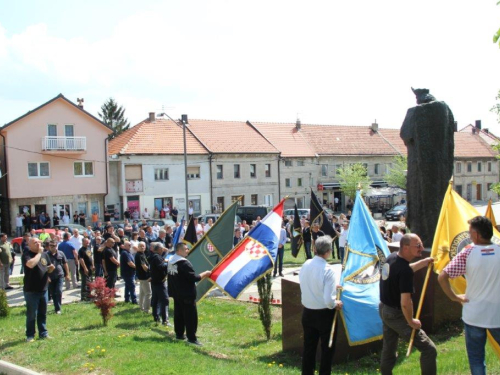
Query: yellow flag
(452,236)
(490,215)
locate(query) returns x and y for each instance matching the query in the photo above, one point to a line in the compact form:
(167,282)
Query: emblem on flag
(254,249)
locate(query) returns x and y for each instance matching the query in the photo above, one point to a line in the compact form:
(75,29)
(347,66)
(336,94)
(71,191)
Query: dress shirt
(317,284)
(282,237)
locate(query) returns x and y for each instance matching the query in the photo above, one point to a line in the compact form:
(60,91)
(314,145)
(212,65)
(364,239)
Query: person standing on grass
(37,267)
(318,291)
(182,287)
(110,262)
(5,261)
(158,269)
(480,264)
(127,268)
(57,277)
(306,235)
(396,306)
(144,277)
(281,252)
(86,268)
(98,257)
(71,254)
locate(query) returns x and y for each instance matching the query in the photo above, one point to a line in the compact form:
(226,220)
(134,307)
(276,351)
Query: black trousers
(317,325)
(111,279)
(185,318)
(159,302)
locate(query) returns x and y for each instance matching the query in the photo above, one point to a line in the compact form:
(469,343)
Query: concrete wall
(476,179)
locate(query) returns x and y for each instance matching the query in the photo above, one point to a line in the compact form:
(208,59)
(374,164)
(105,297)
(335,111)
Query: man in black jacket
(158,271)
(182,287)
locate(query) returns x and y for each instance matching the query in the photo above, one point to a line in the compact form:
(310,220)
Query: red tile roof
(489,137)
(286,138)
(232,137)
(161,136)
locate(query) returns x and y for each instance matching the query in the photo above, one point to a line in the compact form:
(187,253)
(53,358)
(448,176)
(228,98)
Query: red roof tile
(161,136)
(230,137)
(486,135)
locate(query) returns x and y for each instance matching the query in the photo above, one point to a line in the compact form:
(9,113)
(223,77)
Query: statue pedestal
(292,333)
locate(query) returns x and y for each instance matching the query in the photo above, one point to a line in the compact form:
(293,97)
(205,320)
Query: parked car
(250,213)
(301,211)
(204,218)
(161,222)
(395,213)
(80,228)
(16,242)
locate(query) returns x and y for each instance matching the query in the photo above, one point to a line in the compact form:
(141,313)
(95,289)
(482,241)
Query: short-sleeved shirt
(317,234)
(58,259)
(5,253)
(397,278)
(140,259)
(306,234)
(86,254)
(125,269)
(67,248)
(97,255)
(109,253)
(36,279)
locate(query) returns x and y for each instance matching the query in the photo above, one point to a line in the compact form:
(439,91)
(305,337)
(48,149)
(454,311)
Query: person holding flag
(479,263)
(318,291)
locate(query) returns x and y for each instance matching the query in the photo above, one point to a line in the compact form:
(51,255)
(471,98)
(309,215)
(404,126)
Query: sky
(325,62)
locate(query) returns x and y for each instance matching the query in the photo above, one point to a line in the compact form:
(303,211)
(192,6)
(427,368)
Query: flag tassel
(339,292)
(419,309)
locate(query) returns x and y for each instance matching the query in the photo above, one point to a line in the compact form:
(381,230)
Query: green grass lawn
(290,261)
(231,332)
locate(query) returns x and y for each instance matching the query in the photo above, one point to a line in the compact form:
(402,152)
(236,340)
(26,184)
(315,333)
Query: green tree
(496,187)
(496,36)
(113,115)
(397,173)
(351,176)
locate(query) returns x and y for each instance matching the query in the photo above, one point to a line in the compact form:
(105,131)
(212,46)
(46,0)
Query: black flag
(318,216)
(296,232)
(190,237)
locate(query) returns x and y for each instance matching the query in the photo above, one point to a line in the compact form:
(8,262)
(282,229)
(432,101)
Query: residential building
(54,160)
(147,169)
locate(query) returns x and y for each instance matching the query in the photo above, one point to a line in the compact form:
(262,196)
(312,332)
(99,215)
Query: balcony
(64,145)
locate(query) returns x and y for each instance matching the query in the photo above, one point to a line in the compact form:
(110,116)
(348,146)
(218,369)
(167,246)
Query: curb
(11,369)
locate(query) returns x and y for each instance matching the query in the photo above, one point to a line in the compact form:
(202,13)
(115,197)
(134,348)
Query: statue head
(423,96)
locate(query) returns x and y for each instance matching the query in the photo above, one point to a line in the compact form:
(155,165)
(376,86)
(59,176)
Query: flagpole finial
(451,180)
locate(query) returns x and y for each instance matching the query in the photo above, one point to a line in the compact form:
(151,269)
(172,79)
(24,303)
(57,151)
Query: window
(52,130)
(299,182)
(338,167)
(300,163)
(479,166)
(288,163)
(488,186)
(324,170)
(253,170)
(236,171)
(193,173)
(268,170)
(268,199)
(38,170)
(458,168)
(253,199)
(220,174)
(69,131)
(375,168)
(287,182)
(234,198)
(161,174)
(489,167)
(133,172)
(469,167)
(83,168)
(458,189)
(220,203)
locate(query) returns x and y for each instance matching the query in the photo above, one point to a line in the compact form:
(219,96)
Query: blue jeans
(279,259)
(342,252)
(36,310)
(55,290)
(99,272)
(307,246)
(130,289)
(19,231)
(475,341)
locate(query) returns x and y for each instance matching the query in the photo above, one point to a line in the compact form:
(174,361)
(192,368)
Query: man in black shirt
(315,234)
(98,257)
(306,235)
(158,269)
(61,271)
(237,236)
(86,268)
(110,262)
(396,306)
(144,277)
(37,267)
(182,287)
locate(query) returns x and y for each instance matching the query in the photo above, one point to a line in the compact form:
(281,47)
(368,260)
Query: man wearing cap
(158,270)
(110,262)
(57,277)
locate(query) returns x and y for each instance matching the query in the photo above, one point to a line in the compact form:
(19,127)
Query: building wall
(291,171)
(469,183)
(24,142)
(228,186)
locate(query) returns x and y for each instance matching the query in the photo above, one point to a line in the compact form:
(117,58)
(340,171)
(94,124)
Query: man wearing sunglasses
(396,306)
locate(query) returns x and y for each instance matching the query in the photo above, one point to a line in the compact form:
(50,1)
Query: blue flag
(178,233)
(366,251)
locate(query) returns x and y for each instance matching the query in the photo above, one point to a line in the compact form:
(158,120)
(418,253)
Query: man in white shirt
(396,234)
(76,239)
(479,263)
(145,214)
(318,290)
(208,225)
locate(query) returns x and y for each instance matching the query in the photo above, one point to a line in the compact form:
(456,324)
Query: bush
(103,297)
(4,307)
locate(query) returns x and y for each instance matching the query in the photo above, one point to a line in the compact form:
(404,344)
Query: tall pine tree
(113,115)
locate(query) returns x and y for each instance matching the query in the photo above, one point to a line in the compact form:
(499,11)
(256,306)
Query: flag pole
(339,292)
(419,309)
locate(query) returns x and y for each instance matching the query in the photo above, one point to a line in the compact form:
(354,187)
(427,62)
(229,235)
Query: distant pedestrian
(5,262)
(57,277)
(127,269)
(158,269)
(144,277)
(86,268)
(110,262)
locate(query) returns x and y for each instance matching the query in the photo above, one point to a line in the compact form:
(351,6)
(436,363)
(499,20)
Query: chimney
(80,102)
(455,126)
(478,124)
(152,116)
(298,124)
(184,119)
(374,126)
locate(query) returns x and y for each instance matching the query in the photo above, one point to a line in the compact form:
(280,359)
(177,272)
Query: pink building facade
(54,160)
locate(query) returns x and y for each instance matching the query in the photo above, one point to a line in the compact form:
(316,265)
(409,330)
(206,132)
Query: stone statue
(427,132)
